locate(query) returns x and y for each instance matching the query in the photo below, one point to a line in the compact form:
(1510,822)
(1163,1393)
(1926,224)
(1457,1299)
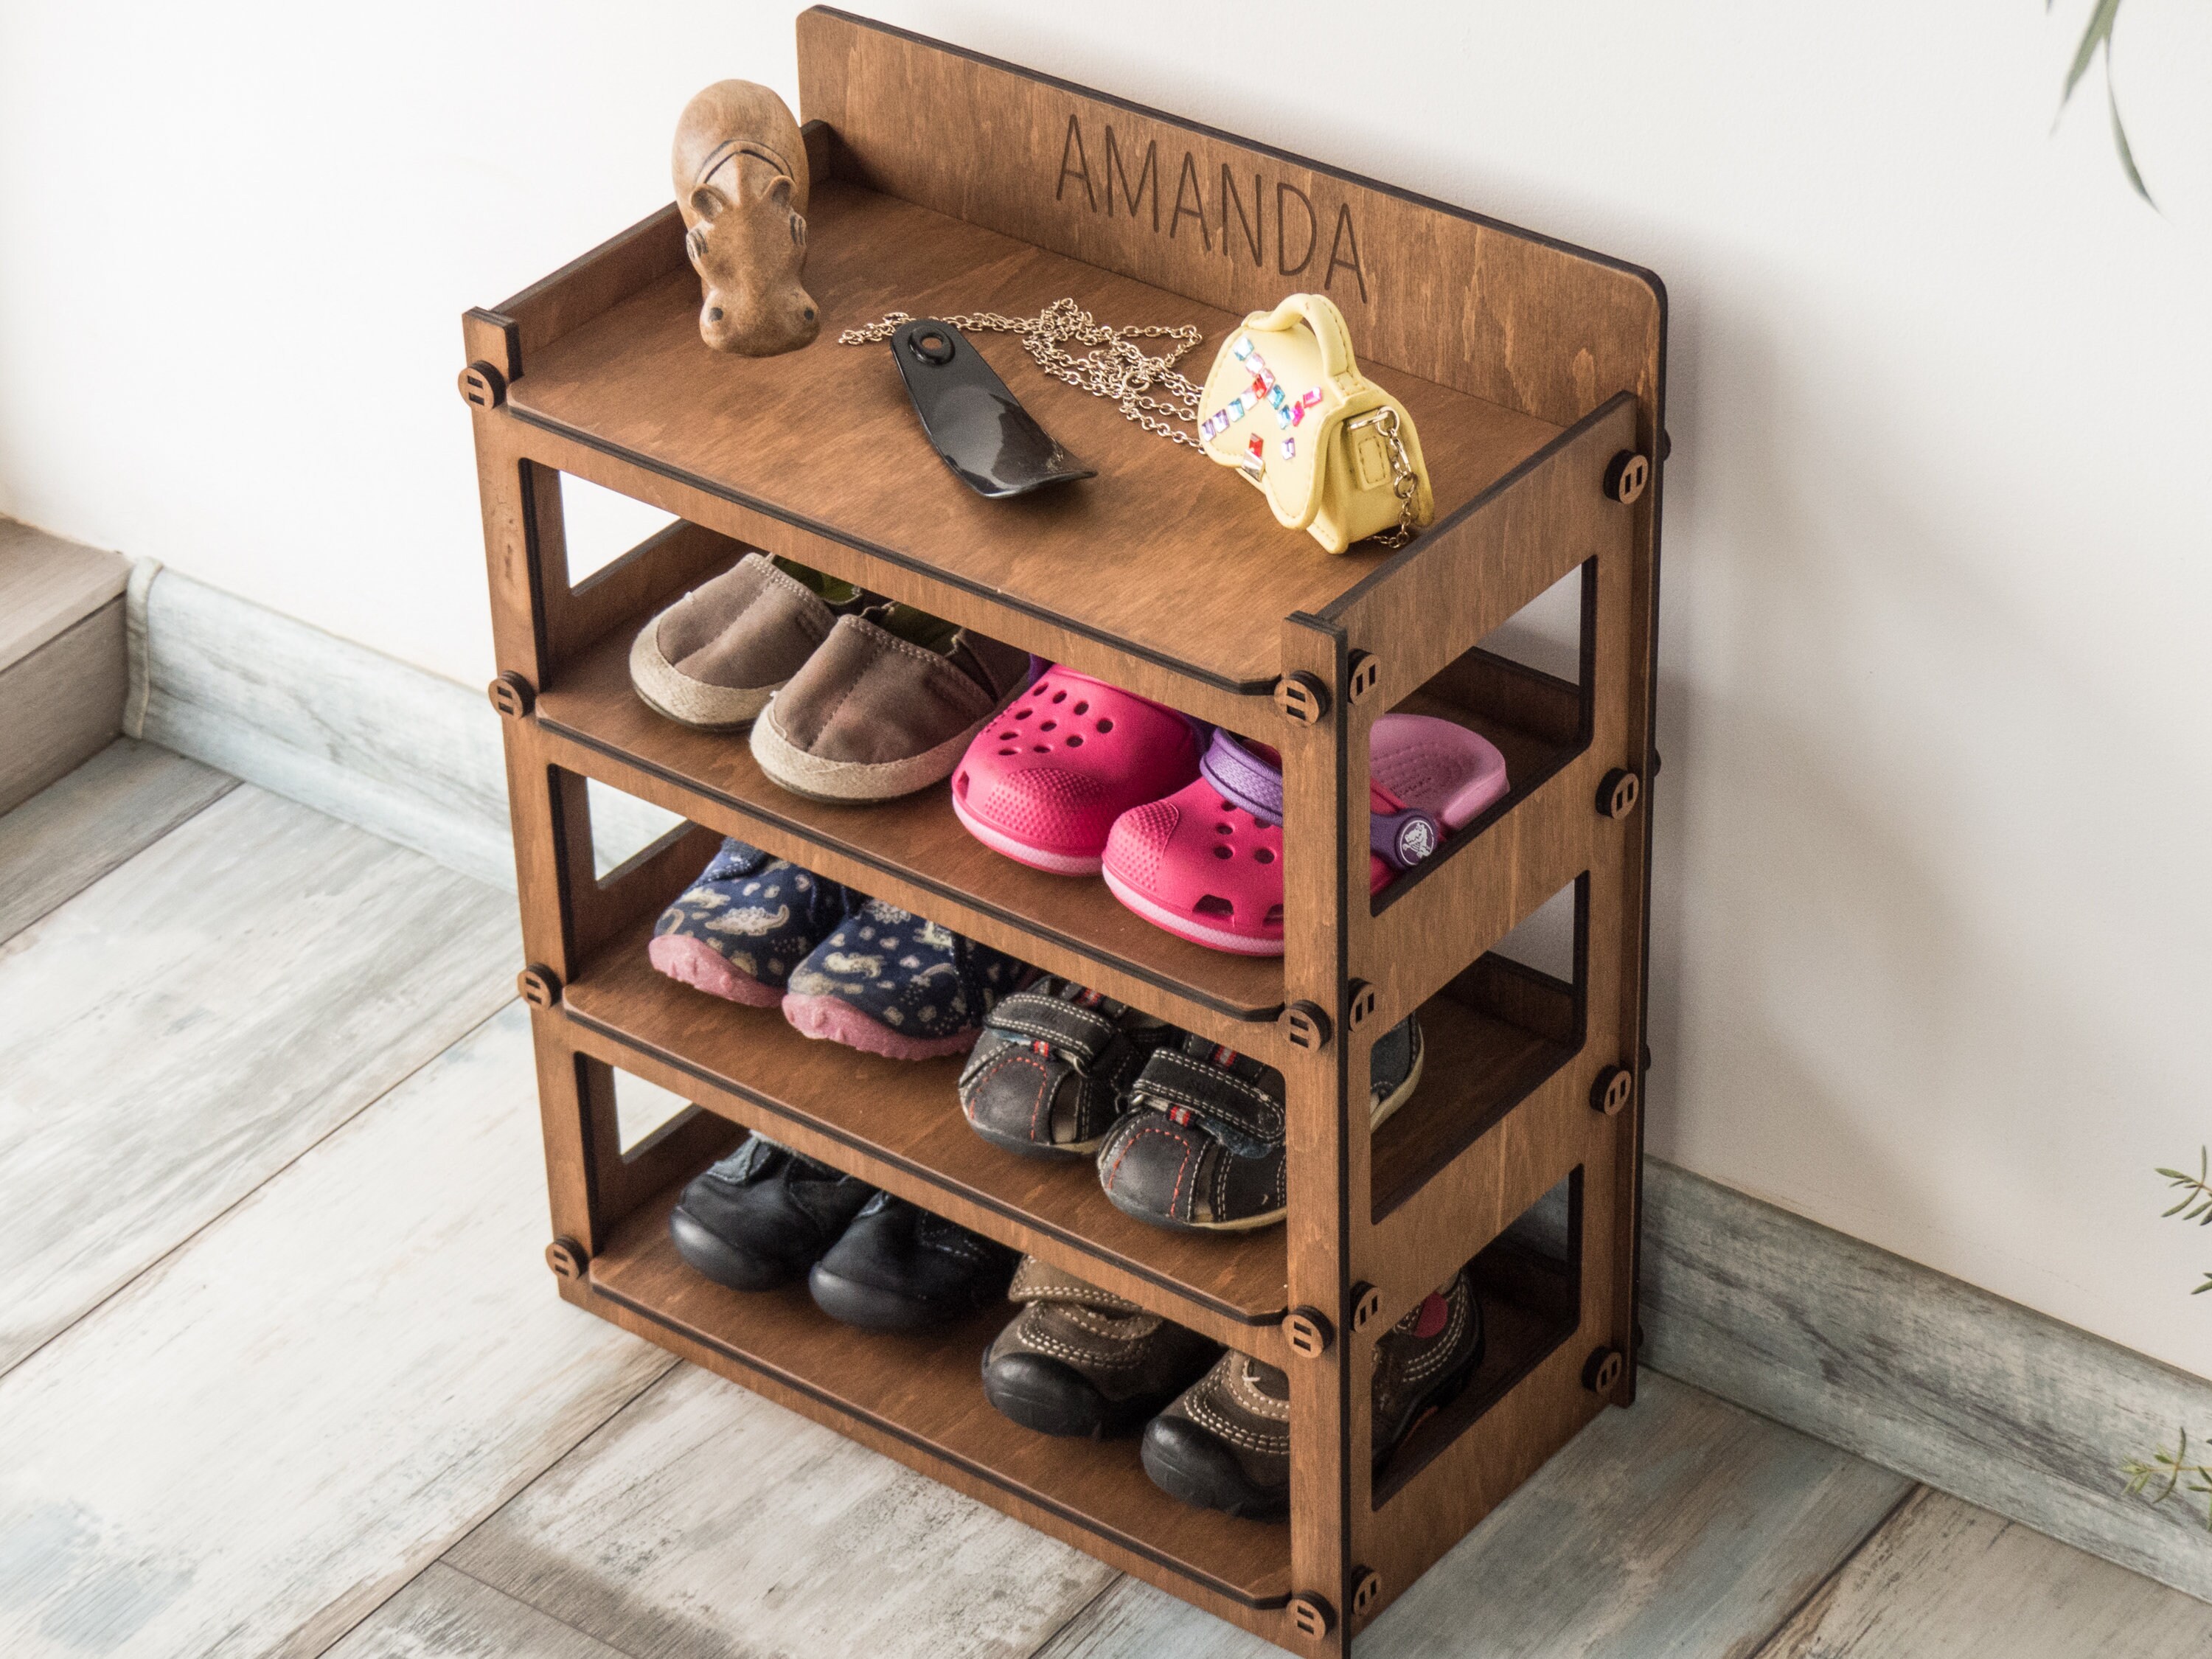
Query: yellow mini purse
(1335,455)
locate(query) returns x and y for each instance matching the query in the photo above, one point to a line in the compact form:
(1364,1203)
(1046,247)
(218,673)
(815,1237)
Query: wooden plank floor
(311,1394)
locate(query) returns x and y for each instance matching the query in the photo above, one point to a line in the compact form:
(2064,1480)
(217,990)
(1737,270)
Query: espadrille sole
(695,703)
(839,782)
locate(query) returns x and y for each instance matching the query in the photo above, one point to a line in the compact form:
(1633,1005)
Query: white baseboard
(347,731)
(1973,1394)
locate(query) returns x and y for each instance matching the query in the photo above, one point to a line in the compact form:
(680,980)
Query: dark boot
(900,1268)
(1078,1360)
(764,1215)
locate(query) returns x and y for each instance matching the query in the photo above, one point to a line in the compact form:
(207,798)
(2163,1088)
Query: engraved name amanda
(1276,225)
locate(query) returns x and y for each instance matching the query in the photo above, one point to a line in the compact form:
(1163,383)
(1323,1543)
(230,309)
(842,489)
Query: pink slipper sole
(1197,933)
(1044,781)
(840,1022)
(700,966)
(1057,863)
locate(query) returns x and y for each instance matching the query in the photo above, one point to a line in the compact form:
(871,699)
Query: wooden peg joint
(540,987)
(1301,698)
(483,386)
(1311,1616)
(1618,792)
(1366,674)
(1309,1332)
(1602,1371)
(1612,1091)
(511,694)
(1625,477)
(1306,1024)
(567,1258)
(1362,1001)
(1366,1591)
(1366,1305)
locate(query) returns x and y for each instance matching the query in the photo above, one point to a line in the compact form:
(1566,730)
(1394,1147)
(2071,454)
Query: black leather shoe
(764,1215)
(900,1268)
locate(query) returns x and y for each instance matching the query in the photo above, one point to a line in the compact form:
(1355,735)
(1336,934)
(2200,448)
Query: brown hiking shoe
(713,658)
(1081,1361)
(1225,1443)
(885,707)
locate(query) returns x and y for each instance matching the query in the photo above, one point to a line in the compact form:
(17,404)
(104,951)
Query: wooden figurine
(741,182)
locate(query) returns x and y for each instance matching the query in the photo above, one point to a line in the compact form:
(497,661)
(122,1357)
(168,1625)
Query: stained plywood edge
(1973,1394)
(1943,1579)
(47,586)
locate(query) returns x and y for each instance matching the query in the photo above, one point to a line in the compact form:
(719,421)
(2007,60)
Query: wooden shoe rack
(946,182)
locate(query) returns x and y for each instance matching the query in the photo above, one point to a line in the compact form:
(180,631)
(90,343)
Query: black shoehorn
(993,444)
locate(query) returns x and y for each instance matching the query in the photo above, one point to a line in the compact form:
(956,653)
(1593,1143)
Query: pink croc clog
(1044,781)
(1206,863)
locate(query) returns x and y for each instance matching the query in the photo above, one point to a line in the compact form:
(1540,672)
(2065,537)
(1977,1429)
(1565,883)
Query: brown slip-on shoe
(1080,1361)
(885,707)
(713,659)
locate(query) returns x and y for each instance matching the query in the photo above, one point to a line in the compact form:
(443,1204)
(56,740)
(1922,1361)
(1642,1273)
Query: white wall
(1932,949)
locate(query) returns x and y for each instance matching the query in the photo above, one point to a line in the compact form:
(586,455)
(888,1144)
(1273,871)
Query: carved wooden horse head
(741,182)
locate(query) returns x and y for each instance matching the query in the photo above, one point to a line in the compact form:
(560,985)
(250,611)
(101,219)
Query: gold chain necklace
(1149,390)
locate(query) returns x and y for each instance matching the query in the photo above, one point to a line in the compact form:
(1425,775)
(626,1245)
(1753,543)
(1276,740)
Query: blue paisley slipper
(739,931)
(887,982)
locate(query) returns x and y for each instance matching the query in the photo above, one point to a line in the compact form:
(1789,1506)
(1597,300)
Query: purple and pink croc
(1044,781)
(1206,863)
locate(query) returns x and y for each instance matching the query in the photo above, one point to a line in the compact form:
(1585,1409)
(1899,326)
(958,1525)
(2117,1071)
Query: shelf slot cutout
(644,1112)
(1529,1280)
(1495,1033)
(600,528)
(1512,687)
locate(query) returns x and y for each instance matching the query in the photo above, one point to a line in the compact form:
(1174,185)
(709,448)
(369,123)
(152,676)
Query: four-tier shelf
(946,182)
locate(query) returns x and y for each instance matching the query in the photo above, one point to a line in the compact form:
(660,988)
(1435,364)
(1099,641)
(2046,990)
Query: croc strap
(1079,1033)
(1400,838)
(1171,1078)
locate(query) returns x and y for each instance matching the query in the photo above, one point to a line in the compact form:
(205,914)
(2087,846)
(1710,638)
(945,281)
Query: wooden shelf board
(917,840)
(1165,556)
(907,1114)
(1478,1067)
(926,1392)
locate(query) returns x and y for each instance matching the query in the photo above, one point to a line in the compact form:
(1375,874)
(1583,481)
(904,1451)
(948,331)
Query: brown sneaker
(713,658)
(885,707)
(1081,1361)
(1225,1443)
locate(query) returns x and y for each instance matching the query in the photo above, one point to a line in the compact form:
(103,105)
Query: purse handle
(1318,312)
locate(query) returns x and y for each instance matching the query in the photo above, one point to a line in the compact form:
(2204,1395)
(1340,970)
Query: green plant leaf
(2099,33)
(2119,133)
